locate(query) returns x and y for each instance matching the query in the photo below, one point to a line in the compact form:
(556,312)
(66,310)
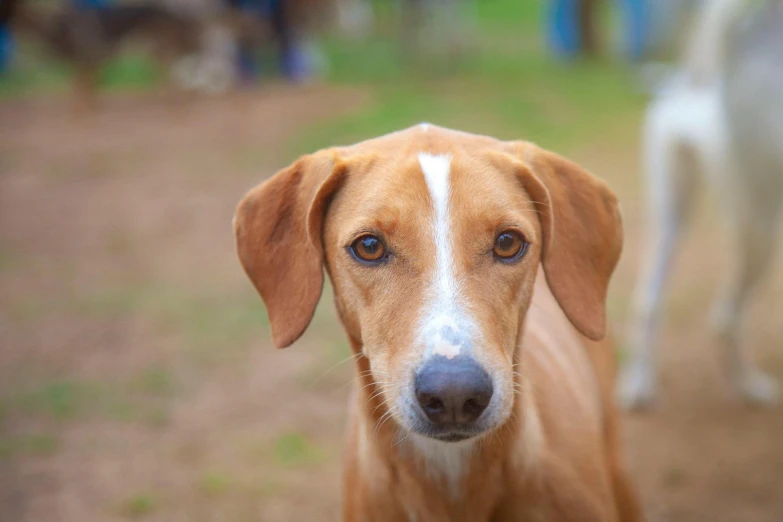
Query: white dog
(720,120)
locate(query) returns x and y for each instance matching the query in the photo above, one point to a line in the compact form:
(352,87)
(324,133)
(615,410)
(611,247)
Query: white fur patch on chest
(444,460)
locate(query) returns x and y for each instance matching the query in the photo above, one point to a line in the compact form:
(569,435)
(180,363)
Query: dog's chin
(454,437)
(449,434)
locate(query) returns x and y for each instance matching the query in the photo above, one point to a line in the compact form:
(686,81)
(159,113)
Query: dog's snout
(453,391)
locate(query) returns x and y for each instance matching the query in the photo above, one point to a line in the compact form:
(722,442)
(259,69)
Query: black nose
(452,392)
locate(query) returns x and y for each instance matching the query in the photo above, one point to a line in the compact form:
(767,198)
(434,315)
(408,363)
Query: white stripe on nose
(445,330)
(436,171)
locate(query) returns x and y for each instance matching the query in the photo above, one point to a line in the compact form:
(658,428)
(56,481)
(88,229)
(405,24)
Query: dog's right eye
(368,249)
(510,246)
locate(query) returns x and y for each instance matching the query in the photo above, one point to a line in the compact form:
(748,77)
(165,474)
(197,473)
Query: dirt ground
(137,380)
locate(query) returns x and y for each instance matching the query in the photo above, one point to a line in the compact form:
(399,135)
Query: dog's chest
(448,489)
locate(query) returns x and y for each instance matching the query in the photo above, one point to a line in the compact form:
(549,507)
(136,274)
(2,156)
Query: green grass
(295,449)
(40,444)
(67,400)
(8,259)
(508,87)
(212,325)
(40,74)
(139,505)
(141,399)
(155,381)
(214,484)
(62,400)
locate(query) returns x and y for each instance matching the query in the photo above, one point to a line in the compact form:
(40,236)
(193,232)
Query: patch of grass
(24,78)
(139,505)
(35,72)
(510,88)
(214,483)
(217,326)
(6,449)
(155,381)
(29,309)
(28,444)
(295,449)
(62,400)
(69,400)
(130,71)
(156,418)
(213,325)
(8,260)
(40,444)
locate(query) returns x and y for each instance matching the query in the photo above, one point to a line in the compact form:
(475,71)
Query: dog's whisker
(365,373)
(405,437)
(379,392)
(383,420)
(351,357)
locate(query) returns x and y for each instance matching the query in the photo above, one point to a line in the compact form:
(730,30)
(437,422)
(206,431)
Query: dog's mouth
(454,437)
(450,433)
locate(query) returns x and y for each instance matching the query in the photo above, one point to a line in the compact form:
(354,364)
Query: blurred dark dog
(88,38)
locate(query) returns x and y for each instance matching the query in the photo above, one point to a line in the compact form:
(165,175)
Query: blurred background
(137,377)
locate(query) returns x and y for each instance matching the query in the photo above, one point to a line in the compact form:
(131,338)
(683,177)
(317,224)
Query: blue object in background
(90,4)
(296,64)
(564,36)
(262,8)
(6,48)
(247,60)
(247,64)
(294,61)
(640,20)
(637,22)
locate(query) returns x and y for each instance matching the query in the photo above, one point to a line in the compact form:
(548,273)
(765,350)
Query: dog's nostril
(474,407)
(432,405)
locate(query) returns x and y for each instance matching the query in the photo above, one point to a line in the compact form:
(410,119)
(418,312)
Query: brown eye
(368,248)
(509,246)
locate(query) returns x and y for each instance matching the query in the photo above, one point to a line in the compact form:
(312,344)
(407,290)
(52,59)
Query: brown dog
(484,392)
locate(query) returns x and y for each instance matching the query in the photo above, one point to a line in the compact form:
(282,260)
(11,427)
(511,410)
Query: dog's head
(432,239)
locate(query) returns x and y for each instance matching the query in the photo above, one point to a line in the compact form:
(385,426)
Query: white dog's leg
(753,214)
(670,185)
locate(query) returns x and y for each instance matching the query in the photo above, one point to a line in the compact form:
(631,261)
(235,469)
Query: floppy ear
(277,227)
(582,234)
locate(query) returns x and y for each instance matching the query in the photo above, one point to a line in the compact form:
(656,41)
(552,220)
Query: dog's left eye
(510,245)
(368,248)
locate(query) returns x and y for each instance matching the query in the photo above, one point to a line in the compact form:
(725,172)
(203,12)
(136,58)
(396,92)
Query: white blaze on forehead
(436,171)
(443,327)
